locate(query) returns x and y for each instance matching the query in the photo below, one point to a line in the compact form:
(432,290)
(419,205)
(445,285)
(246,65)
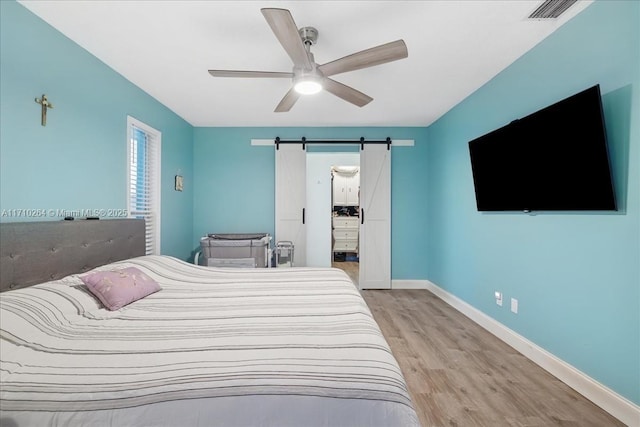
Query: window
(143,183)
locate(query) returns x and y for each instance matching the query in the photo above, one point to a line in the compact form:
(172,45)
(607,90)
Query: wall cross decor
(45,104)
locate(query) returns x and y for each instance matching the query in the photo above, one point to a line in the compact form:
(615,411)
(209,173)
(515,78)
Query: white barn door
(291,163)
(375,217)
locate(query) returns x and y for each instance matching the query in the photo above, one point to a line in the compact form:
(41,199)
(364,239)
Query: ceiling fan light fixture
(308,86)
(307,76)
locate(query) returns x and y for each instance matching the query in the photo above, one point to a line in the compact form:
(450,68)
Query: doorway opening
(374,210)
(345,219)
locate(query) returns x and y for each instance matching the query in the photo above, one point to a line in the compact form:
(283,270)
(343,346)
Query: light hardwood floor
(458,374)
(350,267)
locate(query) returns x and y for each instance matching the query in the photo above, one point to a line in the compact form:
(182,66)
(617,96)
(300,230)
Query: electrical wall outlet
(498,296)
(514,305)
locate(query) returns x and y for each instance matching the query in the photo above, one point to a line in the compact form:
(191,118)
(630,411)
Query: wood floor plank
(352,268)
(459,374)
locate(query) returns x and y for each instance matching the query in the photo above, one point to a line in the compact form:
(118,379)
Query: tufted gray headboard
(36,252)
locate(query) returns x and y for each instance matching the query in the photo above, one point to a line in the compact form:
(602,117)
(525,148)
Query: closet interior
(345,221)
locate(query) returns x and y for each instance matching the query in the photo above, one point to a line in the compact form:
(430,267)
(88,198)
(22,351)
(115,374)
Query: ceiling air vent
(551,9)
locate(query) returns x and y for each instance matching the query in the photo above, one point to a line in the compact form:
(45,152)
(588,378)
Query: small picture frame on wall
(179,183)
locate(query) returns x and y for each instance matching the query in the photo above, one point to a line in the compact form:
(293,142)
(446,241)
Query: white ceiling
(166,47)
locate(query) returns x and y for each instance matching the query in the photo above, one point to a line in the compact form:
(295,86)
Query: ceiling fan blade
(287,102)
(234,73)
(285,29)
(345,92)
(366,58)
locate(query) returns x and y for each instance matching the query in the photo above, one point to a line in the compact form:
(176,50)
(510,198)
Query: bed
(214,347)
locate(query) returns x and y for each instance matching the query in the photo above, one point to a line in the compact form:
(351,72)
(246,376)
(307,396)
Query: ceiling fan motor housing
(313,76)
(309,35)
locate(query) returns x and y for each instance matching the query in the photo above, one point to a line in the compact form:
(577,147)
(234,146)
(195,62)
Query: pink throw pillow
(118,288)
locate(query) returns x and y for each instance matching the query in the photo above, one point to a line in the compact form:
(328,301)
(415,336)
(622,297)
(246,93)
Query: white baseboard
(618,406)
(409,284)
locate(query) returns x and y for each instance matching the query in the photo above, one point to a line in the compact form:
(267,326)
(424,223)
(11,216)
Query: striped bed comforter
(215,347)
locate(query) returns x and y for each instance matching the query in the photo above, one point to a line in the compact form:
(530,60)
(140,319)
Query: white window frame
(153,227)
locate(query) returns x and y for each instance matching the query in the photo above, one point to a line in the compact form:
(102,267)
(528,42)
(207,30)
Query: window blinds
(144,181)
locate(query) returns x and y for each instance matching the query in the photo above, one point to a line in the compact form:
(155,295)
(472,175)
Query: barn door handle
(303,215)
(361,216)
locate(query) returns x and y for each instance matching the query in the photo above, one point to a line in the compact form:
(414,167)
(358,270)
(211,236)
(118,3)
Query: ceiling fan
(309,77)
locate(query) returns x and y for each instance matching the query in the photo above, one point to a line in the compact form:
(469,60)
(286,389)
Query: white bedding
(215,347)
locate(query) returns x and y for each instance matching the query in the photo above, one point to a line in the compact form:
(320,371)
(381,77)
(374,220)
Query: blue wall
(576,275)
(78,161)
(235,185)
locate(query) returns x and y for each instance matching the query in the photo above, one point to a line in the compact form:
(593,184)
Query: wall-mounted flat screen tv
(555,159)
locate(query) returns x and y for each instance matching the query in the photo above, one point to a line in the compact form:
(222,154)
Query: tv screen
(555,159)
